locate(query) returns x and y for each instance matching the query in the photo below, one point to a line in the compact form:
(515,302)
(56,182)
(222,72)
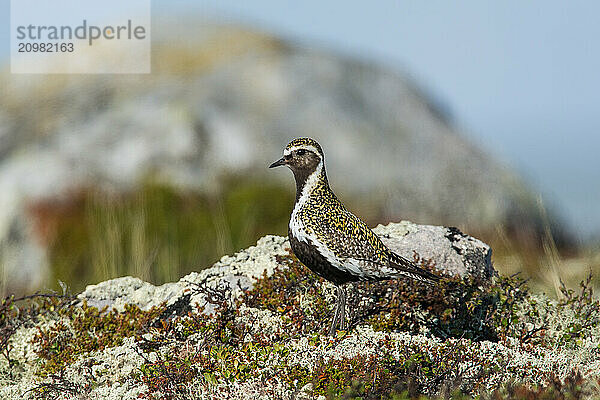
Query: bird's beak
(278,163)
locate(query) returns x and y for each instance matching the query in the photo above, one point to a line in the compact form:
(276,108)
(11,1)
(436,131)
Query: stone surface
(452,252)
(230,109)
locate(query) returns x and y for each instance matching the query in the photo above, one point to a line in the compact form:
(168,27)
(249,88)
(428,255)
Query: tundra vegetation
(464,338)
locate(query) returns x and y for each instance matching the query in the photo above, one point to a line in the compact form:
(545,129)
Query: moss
(227,350)
(167,375)
(573,387)
(219,349)
(216,350)
(84,329)
(371,377)
(380,357)
(25,311)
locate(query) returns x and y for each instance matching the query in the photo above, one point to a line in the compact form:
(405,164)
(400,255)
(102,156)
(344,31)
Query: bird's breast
(297,227)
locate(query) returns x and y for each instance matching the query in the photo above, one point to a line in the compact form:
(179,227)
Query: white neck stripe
(296,226)
(311,181)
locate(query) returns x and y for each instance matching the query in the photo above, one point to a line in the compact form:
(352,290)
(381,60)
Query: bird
(330,240)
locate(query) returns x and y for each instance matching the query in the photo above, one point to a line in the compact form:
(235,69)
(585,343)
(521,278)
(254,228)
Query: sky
(521,78)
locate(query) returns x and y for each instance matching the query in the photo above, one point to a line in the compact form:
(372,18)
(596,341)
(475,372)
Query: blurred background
(473,114)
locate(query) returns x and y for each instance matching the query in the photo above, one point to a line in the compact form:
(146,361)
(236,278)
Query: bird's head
(303,156)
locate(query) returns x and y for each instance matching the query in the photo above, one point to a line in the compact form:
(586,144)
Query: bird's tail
(408,268)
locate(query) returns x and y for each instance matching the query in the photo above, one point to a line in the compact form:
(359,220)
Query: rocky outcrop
(227,103)
(274,356)
(451,251)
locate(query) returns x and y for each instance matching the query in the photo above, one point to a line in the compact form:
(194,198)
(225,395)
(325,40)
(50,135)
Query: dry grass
(543,262)
(156,233)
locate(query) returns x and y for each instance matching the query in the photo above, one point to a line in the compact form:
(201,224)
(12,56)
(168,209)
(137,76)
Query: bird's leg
(339,317)
(336,315)
(342,294)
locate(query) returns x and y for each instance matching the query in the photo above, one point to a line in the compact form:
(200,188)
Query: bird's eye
(301,152)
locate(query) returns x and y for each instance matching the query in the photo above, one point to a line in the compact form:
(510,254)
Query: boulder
(451,251)
(389,146)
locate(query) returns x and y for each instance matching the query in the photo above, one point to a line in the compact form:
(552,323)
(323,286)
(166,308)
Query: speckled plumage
(322,223)
(327,238)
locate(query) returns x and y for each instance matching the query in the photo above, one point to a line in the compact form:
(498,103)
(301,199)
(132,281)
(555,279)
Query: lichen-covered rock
(230,110)
(250,328)
(451,251)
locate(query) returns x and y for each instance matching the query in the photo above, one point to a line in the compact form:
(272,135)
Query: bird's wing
(410,269)
(360,251)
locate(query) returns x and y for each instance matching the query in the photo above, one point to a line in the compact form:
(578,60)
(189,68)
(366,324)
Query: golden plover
(330,240)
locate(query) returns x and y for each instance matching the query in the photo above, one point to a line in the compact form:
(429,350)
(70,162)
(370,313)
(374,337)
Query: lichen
(235,346)
(80,330)
(462,339)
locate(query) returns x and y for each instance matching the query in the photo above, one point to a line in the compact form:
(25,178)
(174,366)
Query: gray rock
(453,253)
(387,144)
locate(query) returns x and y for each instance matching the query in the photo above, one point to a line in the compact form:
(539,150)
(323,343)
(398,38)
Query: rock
(452,252)
(231,112)
(449,249)
(235,272)
(479,366)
